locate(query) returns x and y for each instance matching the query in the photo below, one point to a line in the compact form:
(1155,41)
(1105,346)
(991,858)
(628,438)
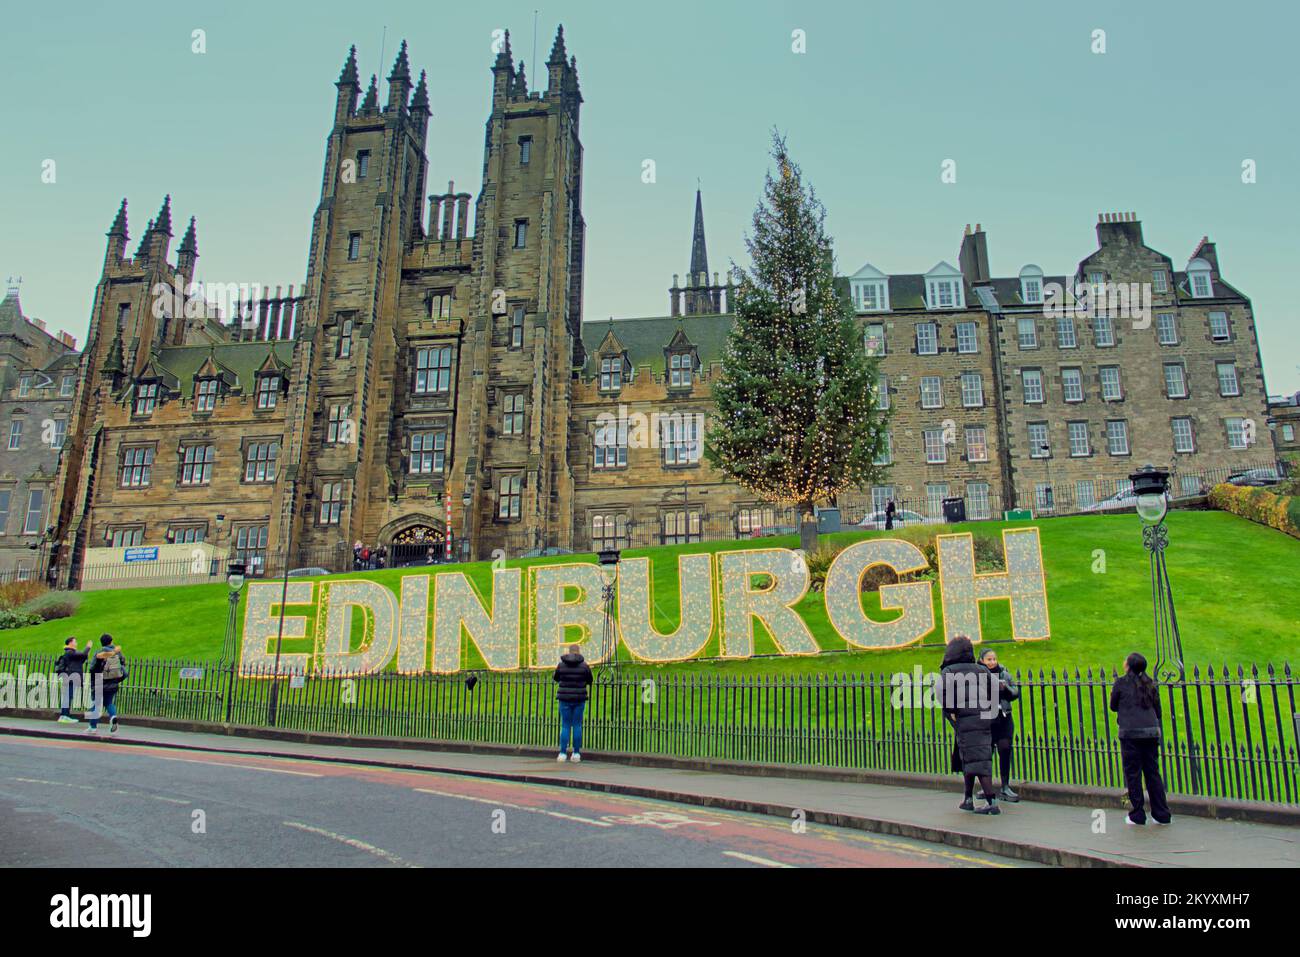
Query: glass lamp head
(1149,486)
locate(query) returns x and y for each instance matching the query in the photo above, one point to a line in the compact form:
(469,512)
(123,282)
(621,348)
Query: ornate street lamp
(1151,486)
(235,582)
(609,558)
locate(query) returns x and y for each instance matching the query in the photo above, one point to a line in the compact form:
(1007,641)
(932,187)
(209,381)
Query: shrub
(1259,505)
(11,618)
(16,593)
(57,604)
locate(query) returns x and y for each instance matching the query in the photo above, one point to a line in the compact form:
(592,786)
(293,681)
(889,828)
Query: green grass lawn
(1235,584)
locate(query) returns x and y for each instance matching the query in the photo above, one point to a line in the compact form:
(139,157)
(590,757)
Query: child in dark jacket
(1136,701)
(573,675)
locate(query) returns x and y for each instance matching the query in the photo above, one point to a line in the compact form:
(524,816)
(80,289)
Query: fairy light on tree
(798,420)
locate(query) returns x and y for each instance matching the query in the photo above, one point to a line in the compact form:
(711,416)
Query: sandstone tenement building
(433,377)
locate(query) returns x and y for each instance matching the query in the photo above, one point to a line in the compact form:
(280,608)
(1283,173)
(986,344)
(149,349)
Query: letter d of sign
(1024,583)
(379,627)
(844,595)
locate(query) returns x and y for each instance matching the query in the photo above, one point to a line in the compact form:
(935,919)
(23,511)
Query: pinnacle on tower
(521,81)
(349,75)
(144,240)
(420,100)
(164,222)
(190,242)
(401,67)
(119,223)
(371,103)
(557,56)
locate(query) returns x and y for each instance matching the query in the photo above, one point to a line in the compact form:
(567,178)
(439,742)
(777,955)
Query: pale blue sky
(1045,133)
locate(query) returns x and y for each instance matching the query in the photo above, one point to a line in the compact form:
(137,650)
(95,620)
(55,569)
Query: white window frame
(1068,383)
(968,338)
(931,339)
(1184,437)
(972,398)
(1035,396)
(931,392)
(1117,431)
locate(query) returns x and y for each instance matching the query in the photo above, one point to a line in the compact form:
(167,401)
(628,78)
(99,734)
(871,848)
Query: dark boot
(966,805)
(990,806)
(1008,795)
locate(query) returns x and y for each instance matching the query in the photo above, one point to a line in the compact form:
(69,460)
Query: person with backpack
(110,666)
(1135,699)
(68,668)
(573,675)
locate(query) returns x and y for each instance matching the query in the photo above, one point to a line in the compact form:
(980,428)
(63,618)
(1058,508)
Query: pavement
(269,793)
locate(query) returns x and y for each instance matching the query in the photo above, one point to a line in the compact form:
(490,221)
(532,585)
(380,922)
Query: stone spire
(699,255)
(420,100)
(399,82)
(505,59)
(558,52)
(190,241)
(164,221)
(119,223)
(371,103)
(349,75)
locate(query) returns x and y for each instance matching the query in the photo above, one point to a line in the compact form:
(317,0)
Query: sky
(1045,133)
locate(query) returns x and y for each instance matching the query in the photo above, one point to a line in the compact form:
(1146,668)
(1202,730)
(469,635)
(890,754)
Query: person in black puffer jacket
(1136,701)
(573,675)
(1004,726)
(964,682)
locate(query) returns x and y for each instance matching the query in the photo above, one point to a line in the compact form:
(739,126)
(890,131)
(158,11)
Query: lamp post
(608,558)
(274,698)
(1150,487)
(235,582)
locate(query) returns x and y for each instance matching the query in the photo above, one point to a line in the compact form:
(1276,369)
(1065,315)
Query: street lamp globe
(235,575)
(1149,486)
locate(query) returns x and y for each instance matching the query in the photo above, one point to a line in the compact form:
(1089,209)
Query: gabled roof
(645,340)
(241,359)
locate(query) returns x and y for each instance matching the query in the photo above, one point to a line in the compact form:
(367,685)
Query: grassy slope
(1234,584)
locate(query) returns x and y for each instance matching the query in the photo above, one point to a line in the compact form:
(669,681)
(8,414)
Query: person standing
(68,668)
(573,675)
(110,666)
(961,679)
(1136,701)
(889,515)
(1003,731)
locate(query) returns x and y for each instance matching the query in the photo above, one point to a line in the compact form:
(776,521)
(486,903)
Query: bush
(57,604)
(1258,505)
(16,593)
(11,618)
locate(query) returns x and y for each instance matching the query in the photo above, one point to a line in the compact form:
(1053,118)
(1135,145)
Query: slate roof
(241,358)
(646,339)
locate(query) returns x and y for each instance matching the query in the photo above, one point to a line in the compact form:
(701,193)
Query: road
(100,803)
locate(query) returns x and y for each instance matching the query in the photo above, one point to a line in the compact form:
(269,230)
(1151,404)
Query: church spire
(699,255)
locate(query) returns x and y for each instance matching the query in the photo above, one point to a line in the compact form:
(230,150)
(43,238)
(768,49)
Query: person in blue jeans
(573,675)
(110,666)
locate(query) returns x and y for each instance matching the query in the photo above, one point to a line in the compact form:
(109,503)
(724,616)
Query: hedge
(1276,511)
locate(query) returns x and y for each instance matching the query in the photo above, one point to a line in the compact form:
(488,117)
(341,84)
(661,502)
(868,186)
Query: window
(512,422)
(187,534)
(259,461)
(16,434)
(681,527)
(611,373)
(1175,380)
(24,386)
(1110,387)
(517,328)
(1229,384)
(882,391)
(196,464)
(1236,433)
(344,348)
(363,164)
(525,150)
(339,428)
(967,341)
(4,509)
(1072,385)
(205,395)
(137,466)
(875,339)
(935,493)
(927,339)
(268,391)
(521,233)
(1288,432)
(935,451)
(1084,495)
(1031,289)
(35,520)
(60,434)
(1065,337)
(250,547)
(1027,333)
(1031,381)
(510,496)
(1219,329)
(977,448)
(1044,497)
(440,305)
(610,444)
(67,386)
(931,392)
(1079,444)
(752,518)
(354,246)
(1039,446)
(432,370)
(428,453)
(870,296)
(331,503)
(125,537)
(1166,329)
(1159,281)
(1184,439)
(886,455)
(1096,278)
(943,294)
(681,439)
(146,397)
(609,531)
(1199,281)
(977,500)
(1117,437)
(679,370)
(1103,331)
(972,390)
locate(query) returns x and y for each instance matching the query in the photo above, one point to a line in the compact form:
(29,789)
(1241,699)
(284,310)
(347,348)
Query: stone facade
(1284,417)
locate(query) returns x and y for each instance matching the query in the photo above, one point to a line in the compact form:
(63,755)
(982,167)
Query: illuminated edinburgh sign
(531,613)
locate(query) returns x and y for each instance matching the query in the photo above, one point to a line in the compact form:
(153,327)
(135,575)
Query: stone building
(1284,417)
(432,384)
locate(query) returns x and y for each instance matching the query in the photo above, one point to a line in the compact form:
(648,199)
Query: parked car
(546,552)
(1257,478)
(309,572)
(902,516)
(767,531)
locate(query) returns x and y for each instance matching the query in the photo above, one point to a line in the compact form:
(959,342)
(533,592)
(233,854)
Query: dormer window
(1031,285)
(943,288)
(205,395)
(680,366)
(611,373)
(268,392)
(146,397)
(870,296)
(1198,279)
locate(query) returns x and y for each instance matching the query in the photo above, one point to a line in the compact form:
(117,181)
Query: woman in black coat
(1136,701)
(1004,725)
(962,677)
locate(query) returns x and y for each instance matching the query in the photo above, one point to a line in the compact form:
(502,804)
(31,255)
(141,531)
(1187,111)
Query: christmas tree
(797,416)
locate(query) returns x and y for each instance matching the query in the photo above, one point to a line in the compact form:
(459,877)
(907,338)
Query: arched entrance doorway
(417,541)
